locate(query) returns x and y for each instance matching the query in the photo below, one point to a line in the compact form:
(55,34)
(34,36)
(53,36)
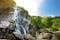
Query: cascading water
(20,22)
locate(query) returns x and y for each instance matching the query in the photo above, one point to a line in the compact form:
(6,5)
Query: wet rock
(18,36)
(25,37)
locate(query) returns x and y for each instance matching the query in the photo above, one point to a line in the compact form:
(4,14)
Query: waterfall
(20,23)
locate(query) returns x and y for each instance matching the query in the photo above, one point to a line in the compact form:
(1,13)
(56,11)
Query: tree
(6,6)
(46,21)
(56,24)
(36,22)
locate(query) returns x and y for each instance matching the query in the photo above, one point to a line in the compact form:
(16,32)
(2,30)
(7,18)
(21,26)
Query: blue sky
(41,7)
(50,8)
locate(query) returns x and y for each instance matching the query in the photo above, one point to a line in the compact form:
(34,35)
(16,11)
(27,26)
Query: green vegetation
(46,23)
(6,6)
(58,36)
(37,23)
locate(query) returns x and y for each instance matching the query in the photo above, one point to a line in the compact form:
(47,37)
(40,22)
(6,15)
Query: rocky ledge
(7,34)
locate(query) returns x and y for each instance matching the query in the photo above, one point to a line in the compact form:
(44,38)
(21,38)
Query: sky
(40,7)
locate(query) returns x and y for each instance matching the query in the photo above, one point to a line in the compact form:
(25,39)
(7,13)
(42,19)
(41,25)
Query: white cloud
(30,5)
(52,15)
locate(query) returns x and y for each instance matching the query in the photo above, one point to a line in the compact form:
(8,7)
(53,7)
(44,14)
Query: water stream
(21,22)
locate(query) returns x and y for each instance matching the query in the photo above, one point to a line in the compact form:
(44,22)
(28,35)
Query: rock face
(3,21)
(15,27)
(25,37)
(29,37)
(4,24)
(9,35)
(6,34)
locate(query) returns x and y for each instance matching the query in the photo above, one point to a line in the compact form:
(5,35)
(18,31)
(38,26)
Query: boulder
(45,35)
